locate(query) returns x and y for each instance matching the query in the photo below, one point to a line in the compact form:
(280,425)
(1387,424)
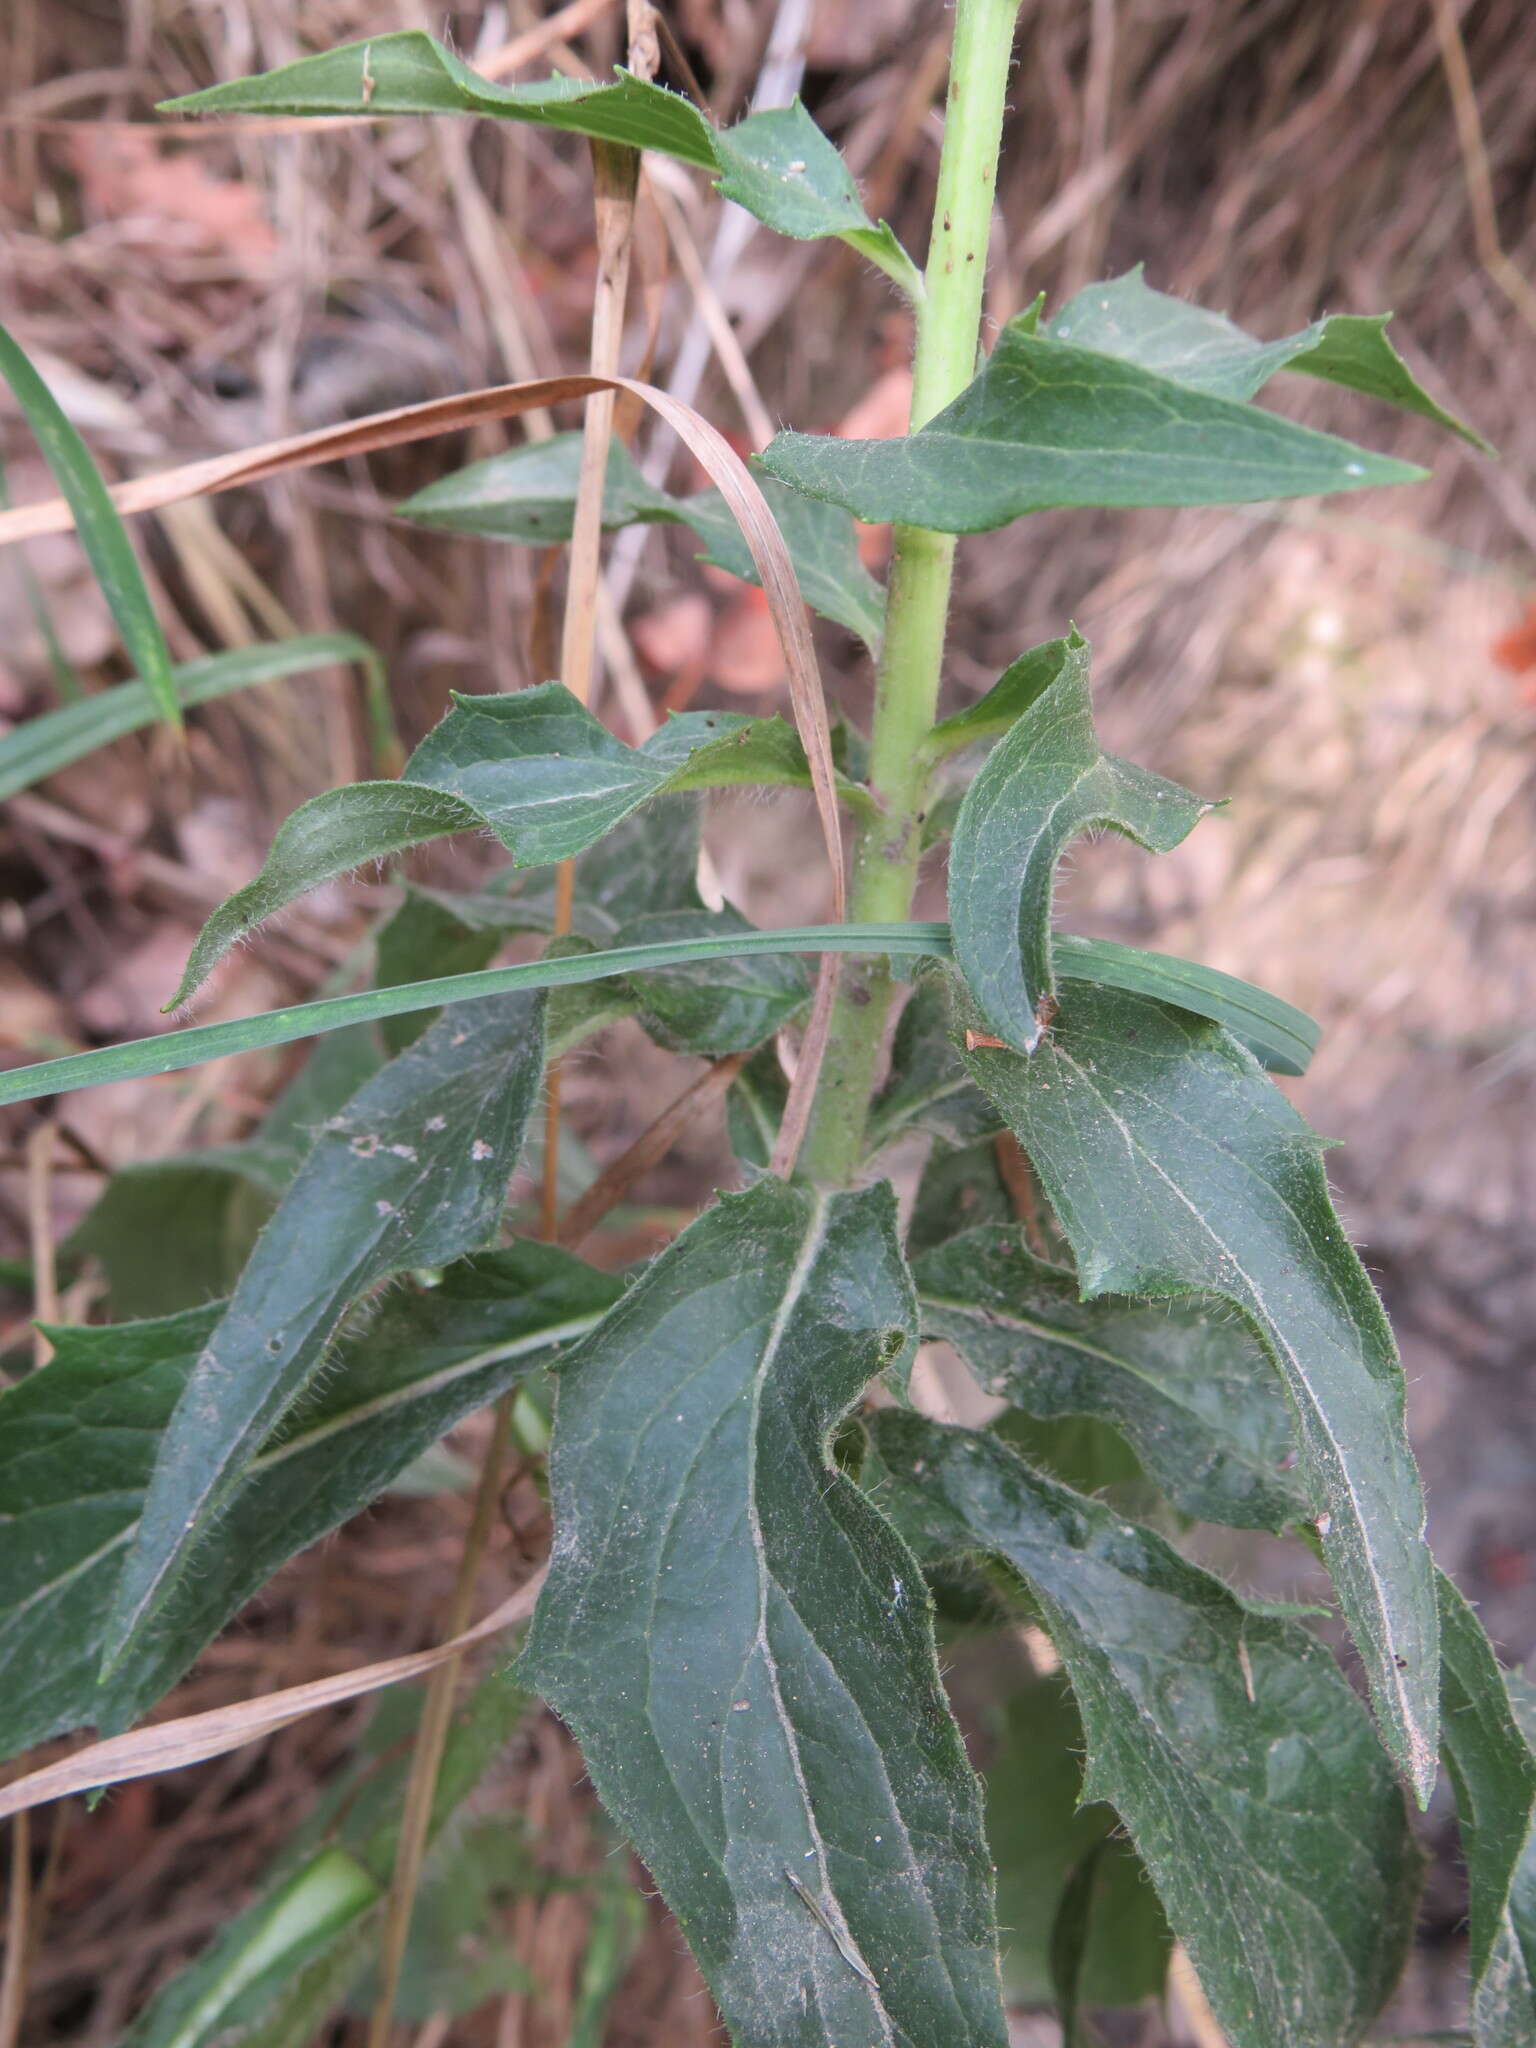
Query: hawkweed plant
(1123,1229)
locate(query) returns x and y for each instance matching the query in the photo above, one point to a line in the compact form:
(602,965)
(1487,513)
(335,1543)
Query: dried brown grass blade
(648,1150)
(1491,252)
(615,177)
(392,429)
(171,1745)
(18,1932)
(796,1120)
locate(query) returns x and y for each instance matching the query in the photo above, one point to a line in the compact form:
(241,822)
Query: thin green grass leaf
(170,1051)
(44,745)
(102,533)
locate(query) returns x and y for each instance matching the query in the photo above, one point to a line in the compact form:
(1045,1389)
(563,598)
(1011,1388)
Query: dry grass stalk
(615,175)
(1511,281)
(18,1933)
(648,1150)
(193,1738)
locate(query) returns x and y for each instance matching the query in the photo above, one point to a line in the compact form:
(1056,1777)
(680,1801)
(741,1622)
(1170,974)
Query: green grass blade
(171,1050)
(101,531)
(65,680)
(1274,1031)
(45,744)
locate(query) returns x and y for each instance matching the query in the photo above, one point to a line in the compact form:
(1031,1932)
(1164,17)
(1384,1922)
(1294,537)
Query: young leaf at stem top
(1175,1167)
(1205,351)
(1052,421)
(777,164)
(1226,1739)
(412,1172)
(744,1649)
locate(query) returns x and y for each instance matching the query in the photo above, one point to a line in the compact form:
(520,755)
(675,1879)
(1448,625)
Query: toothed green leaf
(79,1438)
(744,1649)
(529,495)
(1175,1167)
(1049,423)
(533,767)
(1493,1768)
(1188,1386)
(1227,1740)
(778,165)
(1046,781)
(411,1172)
(1204,351)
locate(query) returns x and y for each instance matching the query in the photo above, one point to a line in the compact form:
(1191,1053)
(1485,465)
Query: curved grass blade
(287,2003)
(1281,1037)
(44,745)
(726,470)
(102,533)
(170,1051)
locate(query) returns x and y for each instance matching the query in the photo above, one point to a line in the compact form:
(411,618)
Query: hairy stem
(911,661)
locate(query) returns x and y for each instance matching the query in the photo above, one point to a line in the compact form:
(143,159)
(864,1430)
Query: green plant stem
(889,844)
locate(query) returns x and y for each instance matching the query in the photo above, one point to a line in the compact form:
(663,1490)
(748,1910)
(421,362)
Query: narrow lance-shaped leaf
(1048,423)
(1175,1168)
(529,494)
(1187,1385)
(1044,782)
(744,1648)
(534,767)
(1493,1769)
(1206,352)
(42,746)
(78,1441)
(101,530)
(1226,1738)
(929,1088)
(647,862)
(779,165)
(412,1172)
